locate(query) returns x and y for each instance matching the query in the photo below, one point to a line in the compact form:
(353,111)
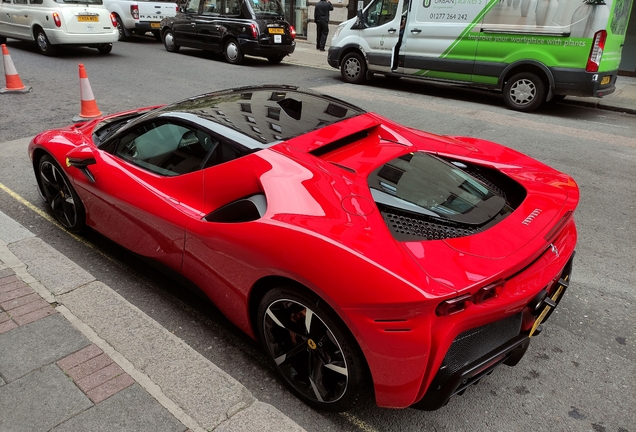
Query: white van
(51,23)
(532,50)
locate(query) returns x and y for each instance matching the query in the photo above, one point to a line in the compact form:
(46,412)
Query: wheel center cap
(311,344)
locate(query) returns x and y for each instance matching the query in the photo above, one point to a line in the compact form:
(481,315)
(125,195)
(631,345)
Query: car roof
(267,114)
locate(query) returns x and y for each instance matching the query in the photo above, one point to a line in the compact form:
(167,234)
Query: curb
(192,389)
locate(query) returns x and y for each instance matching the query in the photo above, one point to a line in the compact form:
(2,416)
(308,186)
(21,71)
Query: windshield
(425,185)
(267,7)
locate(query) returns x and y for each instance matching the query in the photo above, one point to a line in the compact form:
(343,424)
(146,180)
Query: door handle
(416,30)
(193,25)
(26,16)
(392,30)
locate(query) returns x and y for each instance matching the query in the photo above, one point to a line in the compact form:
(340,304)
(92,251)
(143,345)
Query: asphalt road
(577,375)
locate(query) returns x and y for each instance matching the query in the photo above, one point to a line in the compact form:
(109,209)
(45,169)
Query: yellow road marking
(357,422)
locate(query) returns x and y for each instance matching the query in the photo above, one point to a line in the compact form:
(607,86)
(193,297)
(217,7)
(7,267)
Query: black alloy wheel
(168,41)
(60,195)
(232,52)
(353,68)
(43,44)
(524,92)
(312,350)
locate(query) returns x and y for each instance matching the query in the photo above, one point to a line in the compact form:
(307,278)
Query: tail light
(488,292)
(453,306)
(134,10)
(57,20)
(292,32)
(113,20)
(458,304)
(254,31)
(594,60)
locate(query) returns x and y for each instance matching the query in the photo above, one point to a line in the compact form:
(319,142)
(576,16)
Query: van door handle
(193,24)
(416,30)
(392,30)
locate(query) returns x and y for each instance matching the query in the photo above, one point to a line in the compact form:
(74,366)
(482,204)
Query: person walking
(321,16)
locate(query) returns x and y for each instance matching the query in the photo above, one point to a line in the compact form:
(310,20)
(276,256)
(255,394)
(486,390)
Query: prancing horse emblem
(554,249)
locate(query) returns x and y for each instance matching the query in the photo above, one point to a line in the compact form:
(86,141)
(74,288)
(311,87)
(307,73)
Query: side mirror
(360,21)
(81,157)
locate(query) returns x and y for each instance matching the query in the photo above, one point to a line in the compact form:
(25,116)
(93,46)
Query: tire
(3,40)
(43,44)
(313,351)
(524,91)
(168,41)
(276,59)
(353,68)
(121,30)
(105,48)
(232,52)
(157,35)
(63,201)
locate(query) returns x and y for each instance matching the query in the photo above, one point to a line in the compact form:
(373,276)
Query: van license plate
(605,80)
(87,18)
(155,25)
(276,31)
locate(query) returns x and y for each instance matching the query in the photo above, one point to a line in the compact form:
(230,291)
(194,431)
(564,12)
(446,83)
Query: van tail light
(292,32)
(594,60)
(134,11)
(57,20)
(254,31)
(453,306)
(113,20)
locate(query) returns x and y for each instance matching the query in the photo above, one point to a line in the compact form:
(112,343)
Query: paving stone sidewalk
(76,356)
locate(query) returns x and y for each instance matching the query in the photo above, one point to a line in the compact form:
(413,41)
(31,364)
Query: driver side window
(192,6)
(166,148)
(381,12)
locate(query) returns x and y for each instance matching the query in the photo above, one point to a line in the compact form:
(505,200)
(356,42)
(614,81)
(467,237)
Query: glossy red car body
(323,230)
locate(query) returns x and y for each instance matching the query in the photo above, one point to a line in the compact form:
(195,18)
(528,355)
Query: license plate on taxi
(87,18)
(276,31)
(155,25)
(605,80)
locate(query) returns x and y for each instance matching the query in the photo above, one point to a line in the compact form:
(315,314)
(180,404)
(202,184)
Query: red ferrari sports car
(363,254)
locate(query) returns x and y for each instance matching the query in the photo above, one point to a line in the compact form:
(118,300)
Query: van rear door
(436,42)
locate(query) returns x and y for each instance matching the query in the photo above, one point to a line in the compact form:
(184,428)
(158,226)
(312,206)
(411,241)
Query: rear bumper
(577,82)
(257,49)
(460,369)
(147,26)
(59,37)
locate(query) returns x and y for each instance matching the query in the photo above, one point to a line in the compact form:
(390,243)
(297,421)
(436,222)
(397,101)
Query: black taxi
(233,27)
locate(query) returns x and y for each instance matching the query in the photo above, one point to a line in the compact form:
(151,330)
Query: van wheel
(353,68)
(525,92)
(43,44)
(105,48)
(232,52)
(168,41)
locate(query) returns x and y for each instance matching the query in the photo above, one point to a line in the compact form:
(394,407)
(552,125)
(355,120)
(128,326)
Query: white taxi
(51,23)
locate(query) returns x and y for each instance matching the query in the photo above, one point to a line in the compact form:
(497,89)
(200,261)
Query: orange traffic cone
(14,83)
(88,109)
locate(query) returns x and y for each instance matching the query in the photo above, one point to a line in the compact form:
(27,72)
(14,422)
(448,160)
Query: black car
(234,27)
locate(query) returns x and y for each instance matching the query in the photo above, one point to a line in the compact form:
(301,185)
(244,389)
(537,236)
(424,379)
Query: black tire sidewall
(356,366)
(50,49)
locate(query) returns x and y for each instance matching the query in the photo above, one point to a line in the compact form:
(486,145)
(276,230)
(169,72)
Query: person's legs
(324,31)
